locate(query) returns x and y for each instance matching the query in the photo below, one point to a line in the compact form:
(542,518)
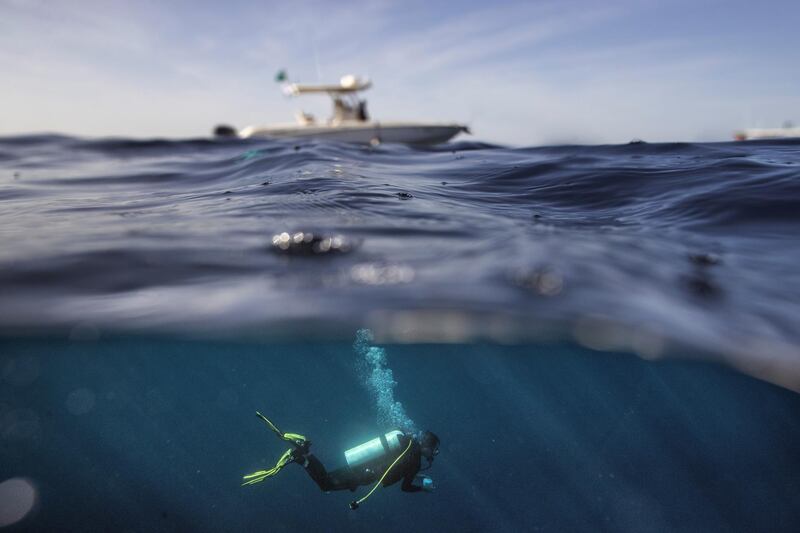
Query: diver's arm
(411,474)
(408,483)
(412,467)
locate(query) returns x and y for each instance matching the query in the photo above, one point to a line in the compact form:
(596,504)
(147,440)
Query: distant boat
(349,122)
(788,131)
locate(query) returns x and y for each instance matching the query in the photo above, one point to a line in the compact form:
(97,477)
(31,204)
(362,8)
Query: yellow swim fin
(295,438)
(261,475)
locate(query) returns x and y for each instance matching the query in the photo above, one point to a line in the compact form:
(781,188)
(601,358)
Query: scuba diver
(384,461)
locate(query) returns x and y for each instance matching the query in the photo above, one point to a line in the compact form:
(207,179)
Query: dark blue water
(604,337)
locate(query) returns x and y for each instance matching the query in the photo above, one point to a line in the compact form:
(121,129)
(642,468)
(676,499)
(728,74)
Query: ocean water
(605,338)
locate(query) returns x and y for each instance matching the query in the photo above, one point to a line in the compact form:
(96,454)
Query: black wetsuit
(350,478)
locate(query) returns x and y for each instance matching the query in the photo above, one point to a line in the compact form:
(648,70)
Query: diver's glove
(424,482)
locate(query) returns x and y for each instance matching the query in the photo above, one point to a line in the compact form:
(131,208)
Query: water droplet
(17,498)
(21,371)
(80,401)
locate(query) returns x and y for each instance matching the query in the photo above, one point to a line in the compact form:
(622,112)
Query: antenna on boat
(316,58)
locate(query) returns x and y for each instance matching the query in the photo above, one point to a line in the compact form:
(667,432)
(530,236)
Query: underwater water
(603,337)
(155,435)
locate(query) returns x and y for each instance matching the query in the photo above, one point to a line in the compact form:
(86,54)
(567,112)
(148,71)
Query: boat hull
(767,133)
(363,133)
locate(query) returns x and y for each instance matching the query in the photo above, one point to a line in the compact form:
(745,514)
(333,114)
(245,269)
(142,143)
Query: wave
(493,242)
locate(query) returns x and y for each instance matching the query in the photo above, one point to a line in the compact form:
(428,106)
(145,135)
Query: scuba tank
(374,450)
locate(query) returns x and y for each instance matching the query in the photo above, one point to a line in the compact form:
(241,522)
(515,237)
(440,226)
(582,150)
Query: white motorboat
(788,131)
(349,122)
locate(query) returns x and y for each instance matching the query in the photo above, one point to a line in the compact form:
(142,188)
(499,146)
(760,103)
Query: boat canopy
(348,84)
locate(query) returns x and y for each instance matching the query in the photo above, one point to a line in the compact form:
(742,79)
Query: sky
(519,72)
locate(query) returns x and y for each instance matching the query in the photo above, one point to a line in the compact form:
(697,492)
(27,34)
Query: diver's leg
(343,478)
(337,480)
